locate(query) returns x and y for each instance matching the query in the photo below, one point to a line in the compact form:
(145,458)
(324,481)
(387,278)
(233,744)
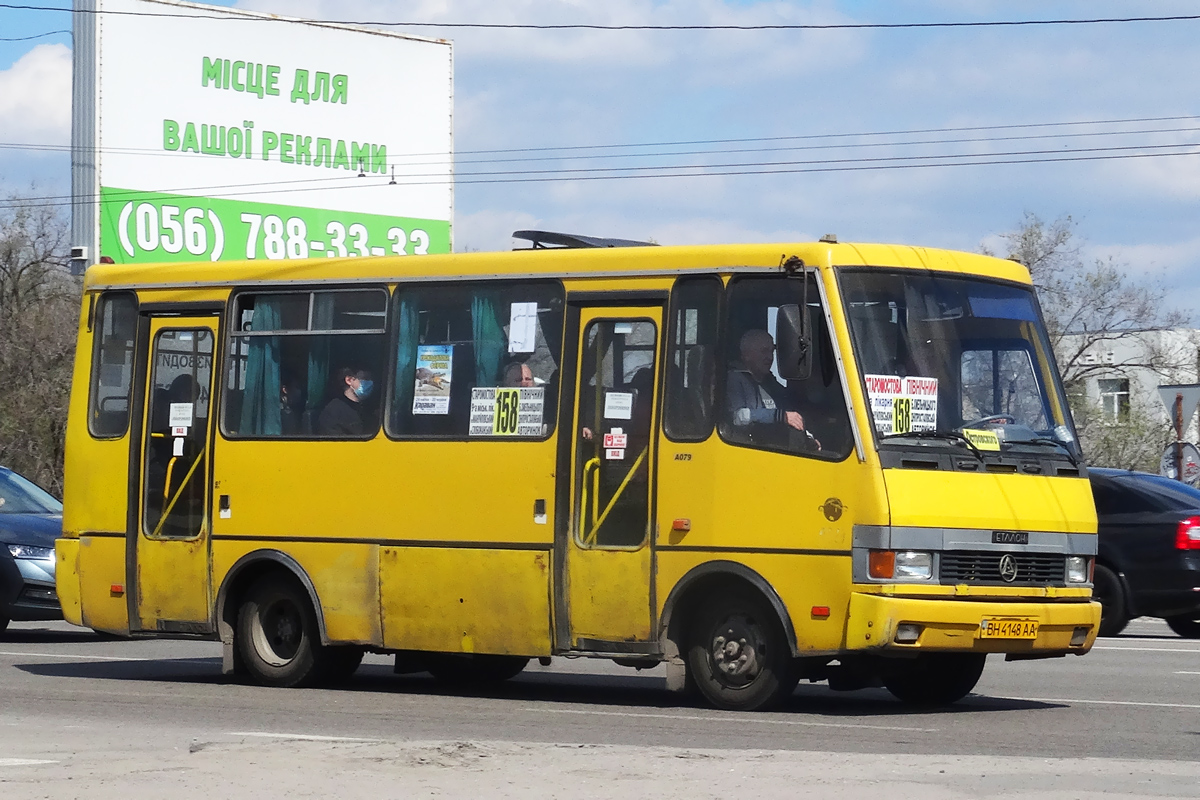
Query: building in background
(1114,393)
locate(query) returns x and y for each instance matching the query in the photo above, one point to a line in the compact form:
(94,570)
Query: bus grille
(1032,568)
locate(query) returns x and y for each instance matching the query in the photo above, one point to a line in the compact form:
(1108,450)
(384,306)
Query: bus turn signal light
(882,564)
(117,589)
(1187,534)
(684,525)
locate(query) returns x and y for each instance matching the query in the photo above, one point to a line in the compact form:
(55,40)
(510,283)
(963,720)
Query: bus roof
(550,263)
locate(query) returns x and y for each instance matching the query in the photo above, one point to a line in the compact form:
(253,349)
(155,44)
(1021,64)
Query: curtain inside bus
(260,408)
(488,339)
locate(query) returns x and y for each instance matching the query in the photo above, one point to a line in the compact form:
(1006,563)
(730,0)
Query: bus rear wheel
(934,679)
(738,654)
(470,669)
(277,635)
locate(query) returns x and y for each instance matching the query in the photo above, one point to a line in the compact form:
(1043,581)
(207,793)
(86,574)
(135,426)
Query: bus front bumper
(894,625)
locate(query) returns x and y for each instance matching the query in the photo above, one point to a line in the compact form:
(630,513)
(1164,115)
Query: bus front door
(608,557)
(171,543)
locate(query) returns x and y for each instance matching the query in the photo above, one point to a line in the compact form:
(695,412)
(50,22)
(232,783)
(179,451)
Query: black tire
(934,679)
(1186,625)
(738,655)
(277,635)
(473,670)
(1107,589)
(341,663)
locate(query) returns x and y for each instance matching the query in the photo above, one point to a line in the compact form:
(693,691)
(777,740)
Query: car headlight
(1078,569)
(30,552)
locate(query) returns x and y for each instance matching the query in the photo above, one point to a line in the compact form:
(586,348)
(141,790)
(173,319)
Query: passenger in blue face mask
(344,415)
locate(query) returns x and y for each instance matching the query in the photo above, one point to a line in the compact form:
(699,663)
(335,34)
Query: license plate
(1008,629)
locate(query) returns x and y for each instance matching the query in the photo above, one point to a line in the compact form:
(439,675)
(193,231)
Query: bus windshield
(945,358)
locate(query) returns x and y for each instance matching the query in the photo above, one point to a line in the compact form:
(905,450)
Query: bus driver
(755,399)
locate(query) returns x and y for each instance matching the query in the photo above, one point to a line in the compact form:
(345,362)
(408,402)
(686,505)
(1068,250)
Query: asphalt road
(82,716)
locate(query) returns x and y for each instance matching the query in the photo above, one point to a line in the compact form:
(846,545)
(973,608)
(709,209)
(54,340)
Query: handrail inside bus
(597,522)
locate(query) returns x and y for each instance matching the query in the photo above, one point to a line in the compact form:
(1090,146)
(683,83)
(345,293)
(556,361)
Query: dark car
(30,521)
(1148,564)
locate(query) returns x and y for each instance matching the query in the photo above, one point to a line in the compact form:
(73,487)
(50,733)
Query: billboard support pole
(85,187)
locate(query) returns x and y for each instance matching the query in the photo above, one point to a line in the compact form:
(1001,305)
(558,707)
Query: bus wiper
(1055,443)
(953,436)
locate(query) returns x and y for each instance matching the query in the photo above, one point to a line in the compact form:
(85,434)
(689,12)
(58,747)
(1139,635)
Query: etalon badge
(1008,568)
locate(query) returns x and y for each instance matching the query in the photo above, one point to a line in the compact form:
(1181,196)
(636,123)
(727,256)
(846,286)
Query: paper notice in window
(522,328)
(431,392)
(902,405)
(618,405)
(181,415)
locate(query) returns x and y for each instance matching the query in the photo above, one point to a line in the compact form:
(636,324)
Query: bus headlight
(900,565)
(912,565)
(1077,569)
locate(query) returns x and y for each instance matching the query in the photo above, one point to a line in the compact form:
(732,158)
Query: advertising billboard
(206,134)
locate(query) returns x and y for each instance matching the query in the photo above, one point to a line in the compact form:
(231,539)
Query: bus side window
(287,355)
(759,409)
(692,358)
(112,365)
(476,360)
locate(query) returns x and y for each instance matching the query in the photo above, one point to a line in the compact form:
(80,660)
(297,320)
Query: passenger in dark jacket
(343,415)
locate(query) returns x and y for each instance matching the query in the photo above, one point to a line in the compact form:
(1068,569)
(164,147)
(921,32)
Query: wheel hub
(737,651)
(277,637)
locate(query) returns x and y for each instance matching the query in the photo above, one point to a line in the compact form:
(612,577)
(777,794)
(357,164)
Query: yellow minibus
(755,464)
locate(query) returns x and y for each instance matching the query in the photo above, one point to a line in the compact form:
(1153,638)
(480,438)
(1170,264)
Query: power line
(217,14)
(572,150)
(724,170)
(261,187)
(31,38)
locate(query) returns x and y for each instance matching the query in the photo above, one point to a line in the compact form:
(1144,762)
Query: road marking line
(1187,673)
(107,658)
(24,762)
(1148,649)
(740,718)
(300,737)
(1093,702)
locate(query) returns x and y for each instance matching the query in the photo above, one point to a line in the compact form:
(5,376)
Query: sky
(555,89)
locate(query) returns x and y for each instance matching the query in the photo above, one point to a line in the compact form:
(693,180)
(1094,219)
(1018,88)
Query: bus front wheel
(934,679)
(277,635)
(738,654)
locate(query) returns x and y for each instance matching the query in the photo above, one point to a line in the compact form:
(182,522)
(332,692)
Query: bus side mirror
(793,344)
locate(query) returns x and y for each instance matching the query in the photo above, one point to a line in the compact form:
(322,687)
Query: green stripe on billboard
(141,227)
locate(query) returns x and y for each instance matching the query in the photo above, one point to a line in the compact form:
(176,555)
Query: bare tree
(1087,305)
(1099,308)
(39,310)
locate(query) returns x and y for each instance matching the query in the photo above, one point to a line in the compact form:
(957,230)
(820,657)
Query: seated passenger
(344,415)
(518,374)
(757,404)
